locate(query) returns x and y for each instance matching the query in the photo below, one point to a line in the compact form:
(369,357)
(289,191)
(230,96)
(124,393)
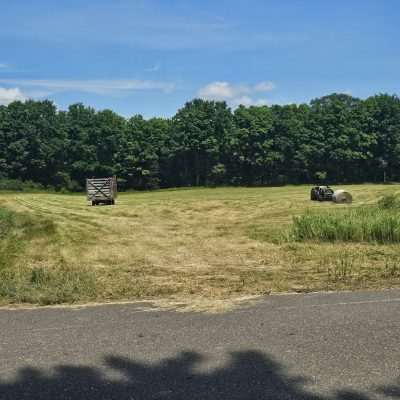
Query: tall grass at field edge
(363,224)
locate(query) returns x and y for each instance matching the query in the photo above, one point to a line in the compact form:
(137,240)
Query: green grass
(364,224)
(21,283)
(7,221)
(40,286)
(389,202)
(195,245)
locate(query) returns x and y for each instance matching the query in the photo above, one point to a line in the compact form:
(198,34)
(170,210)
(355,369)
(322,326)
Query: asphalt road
(315,346)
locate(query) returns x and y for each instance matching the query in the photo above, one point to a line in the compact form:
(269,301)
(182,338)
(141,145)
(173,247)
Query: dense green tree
(141,149)
(384,124)
(80,123)
(336,138)
(294,143)
(252,146)
(338,126)
(32,141)
(200,131)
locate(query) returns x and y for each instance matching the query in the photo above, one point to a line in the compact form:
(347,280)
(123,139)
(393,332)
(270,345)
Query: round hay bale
(342,197)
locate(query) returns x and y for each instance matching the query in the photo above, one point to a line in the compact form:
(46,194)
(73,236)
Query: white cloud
(2,65)
(249,101)
(219,91)
(235,94)
(265,86)
(8,95)
(97,86)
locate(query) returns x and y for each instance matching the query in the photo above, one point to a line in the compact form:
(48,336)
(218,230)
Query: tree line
(336,138)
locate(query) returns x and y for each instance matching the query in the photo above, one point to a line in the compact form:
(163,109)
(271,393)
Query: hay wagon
(101,190)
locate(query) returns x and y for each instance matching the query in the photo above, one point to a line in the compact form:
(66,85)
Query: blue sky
(150,56)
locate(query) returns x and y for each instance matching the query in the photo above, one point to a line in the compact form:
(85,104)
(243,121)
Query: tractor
(321,193)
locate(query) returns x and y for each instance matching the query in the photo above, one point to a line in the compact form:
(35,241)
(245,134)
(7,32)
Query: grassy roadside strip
(21,282)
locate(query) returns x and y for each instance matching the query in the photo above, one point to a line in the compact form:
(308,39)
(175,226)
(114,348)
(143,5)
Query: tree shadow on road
(248,376)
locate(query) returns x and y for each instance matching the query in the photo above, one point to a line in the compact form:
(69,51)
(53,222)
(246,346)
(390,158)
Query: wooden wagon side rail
(103,190)
(99,189)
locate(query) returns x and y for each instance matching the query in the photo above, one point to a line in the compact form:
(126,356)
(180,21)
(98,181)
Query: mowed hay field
(186,246)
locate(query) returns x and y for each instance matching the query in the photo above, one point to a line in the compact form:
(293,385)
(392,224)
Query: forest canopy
(336,138)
